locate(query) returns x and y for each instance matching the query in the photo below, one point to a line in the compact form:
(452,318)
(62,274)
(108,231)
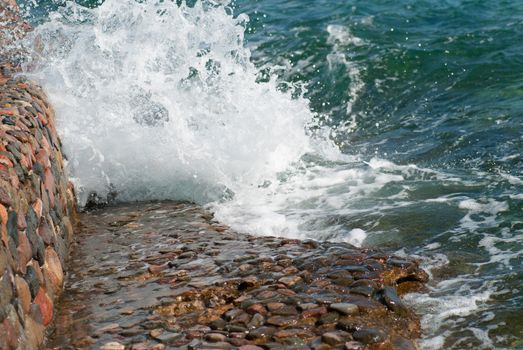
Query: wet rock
(218,324)
(287,310)
(112,346)
(335,338)
(235,328)
(281,321)
(345,308)
(400,343)
(364,287)
(262,334)
(215,337)
(154,269)
(257,321)
(370,335)
(293,333)
(168,337)
(275,306)
(328,318)
(315,312)
(393,302)
(256,309)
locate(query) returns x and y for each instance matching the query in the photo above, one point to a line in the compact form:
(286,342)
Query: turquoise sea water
(423,99)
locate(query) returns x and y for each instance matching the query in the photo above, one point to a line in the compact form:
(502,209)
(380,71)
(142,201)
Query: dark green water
(426,99)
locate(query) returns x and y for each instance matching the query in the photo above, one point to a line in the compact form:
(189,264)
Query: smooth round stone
(369,335)
(281,321)
(256,309)
(330,317)
(168,337)
(332,338)
(393,301)
(218,324)
(215,337)
(345,308)
(112,346)
(256,321)
(307,306)
(261,333)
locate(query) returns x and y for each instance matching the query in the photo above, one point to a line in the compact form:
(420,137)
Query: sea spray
(160,101)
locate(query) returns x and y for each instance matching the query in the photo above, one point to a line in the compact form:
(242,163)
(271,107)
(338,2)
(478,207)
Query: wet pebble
(345,308)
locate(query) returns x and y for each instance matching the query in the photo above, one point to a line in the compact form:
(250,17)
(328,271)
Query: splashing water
(157,101)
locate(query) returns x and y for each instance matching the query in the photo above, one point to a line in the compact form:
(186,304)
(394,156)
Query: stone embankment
(37,204)
(165,275)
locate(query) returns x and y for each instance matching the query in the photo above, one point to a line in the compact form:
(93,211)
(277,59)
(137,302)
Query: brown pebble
(274,306)
(112,346)
(257,309)
(316,312)
(215,337)
(281,321)
(154,269)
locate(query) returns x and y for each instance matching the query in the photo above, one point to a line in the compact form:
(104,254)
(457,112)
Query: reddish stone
(24,251)
(266,294)
(292,332)
(49,185)
(46,306)
(9,333)
(22,224)
(157,268)
(46,232)
(316,312)
(3,213)
(6,161)
(43,158)
(53,267)
(37,207)
(249,347)
(275,306)
(287,292)
(257,309)
(24,295)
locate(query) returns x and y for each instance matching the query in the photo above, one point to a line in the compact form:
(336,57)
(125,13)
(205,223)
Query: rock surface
(165,275)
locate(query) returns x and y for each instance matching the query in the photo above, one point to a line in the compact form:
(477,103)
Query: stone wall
(37,208)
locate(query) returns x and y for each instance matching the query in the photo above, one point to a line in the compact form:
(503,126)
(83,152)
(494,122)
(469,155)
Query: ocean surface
(384,123)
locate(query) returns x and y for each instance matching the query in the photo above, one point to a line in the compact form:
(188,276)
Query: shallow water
(389,123)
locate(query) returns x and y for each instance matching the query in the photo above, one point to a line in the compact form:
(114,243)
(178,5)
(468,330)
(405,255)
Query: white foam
(356,237)
(161,101)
